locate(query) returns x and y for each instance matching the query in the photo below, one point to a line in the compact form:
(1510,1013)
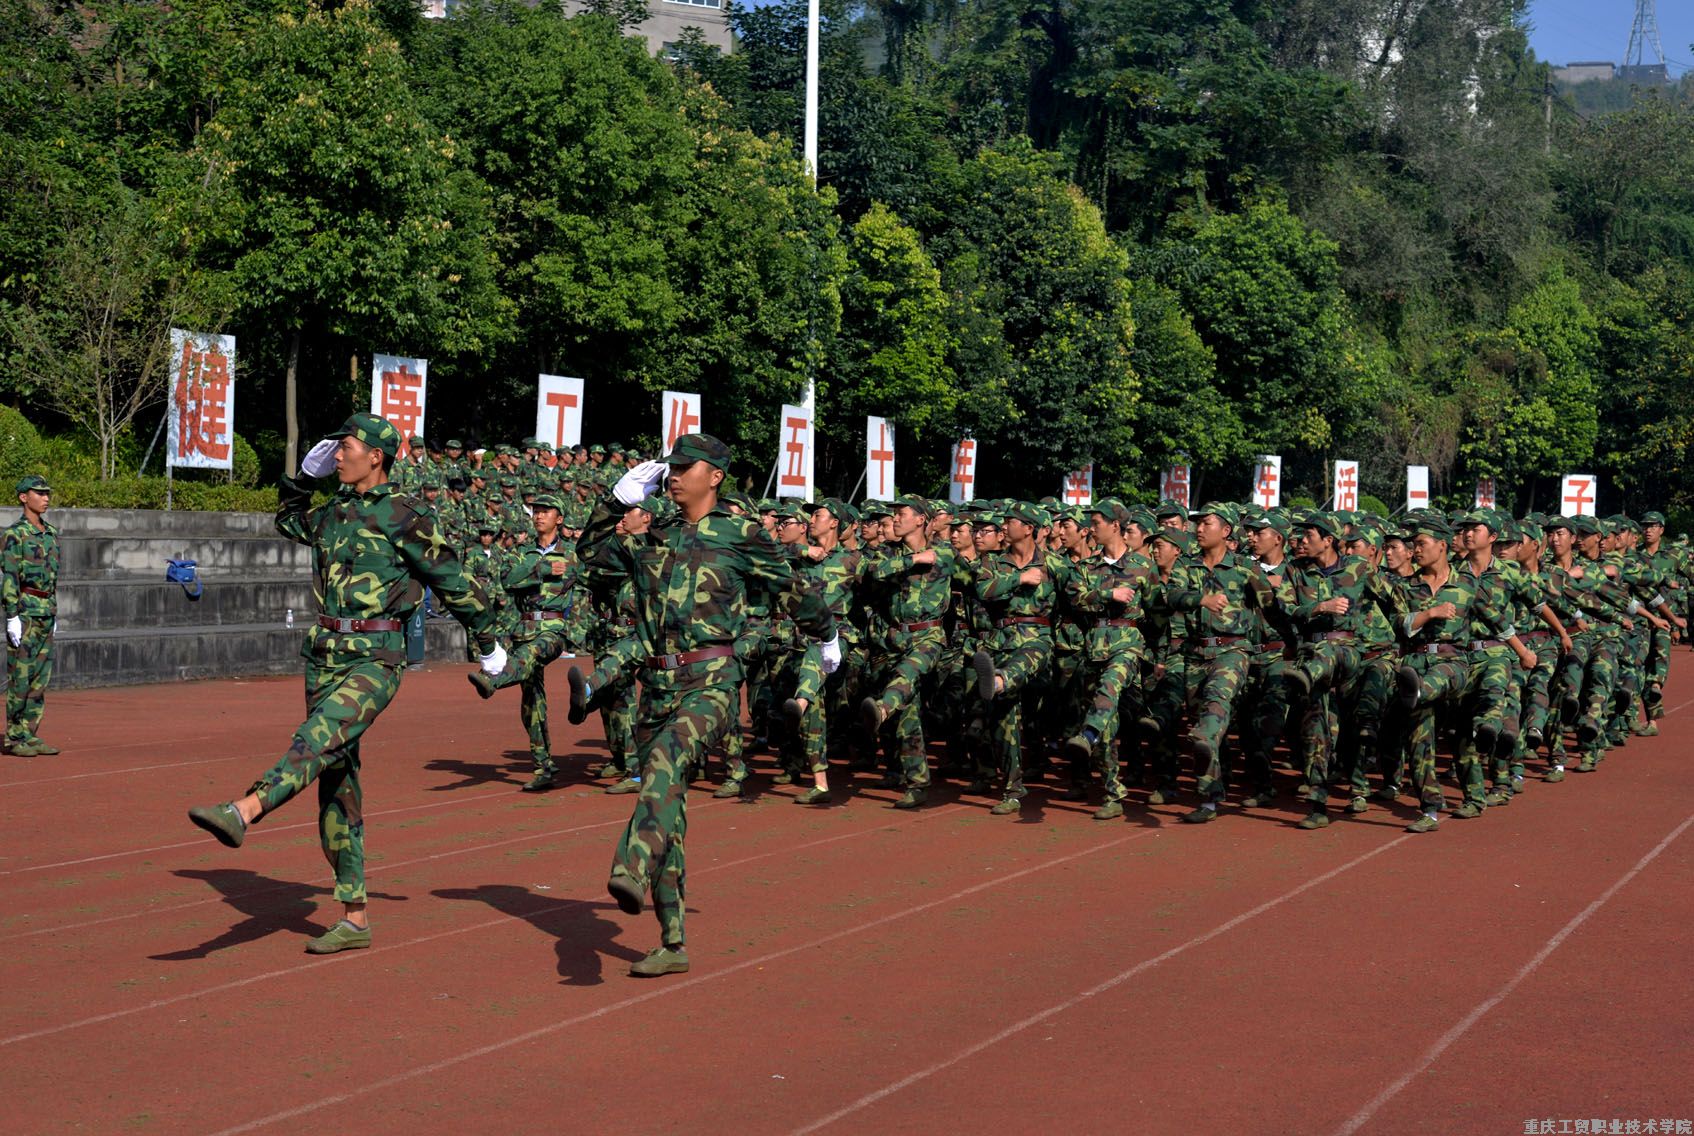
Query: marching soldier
(29,580)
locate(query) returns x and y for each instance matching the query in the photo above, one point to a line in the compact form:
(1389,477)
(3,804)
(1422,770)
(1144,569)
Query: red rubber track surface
(855,969)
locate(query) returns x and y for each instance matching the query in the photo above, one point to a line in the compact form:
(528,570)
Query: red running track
(856,969)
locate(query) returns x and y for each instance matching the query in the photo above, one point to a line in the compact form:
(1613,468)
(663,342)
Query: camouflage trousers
(1333,669)
(617,718)
(1658,670)
(797,672)
(527,667)
(1370,728)
(1631,677)
(1268,702)
(1110,684)
(1165,703)
(31,671)
(1486,698)
(1021,657)
(1442,681)
(672,732)
(1210,685)
(1593,674)
(343,698)
(1064,699)
(901,701)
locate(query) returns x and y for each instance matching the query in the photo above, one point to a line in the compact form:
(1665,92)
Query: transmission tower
(1644,37)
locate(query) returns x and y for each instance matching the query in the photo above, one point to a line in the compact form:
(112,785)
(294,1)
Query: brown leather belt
(350,626)
(1486,644)
(1333,636)
(1115,623)
(1025,621)
(37,592)
(1536,636)
(1278,645)
(921,625)
(1220,641)
(538,616)
(1434,649)
(687,658)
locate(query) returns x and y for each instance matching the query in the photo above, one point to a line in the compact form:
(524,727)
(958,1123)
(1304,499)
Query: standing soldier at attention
(29,563)
(371,549)
(691,573)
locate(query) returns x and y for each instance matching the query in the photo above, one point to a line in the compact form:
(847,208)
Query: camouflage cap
(1276,521)
(836,508)
(1552,523)
(986,518)
(548,501)
(507,481)
(872,510)
(914,502)
(487,525)
(1585,525)
(1435,526)
(786,510)
(1110,508)
(691,448)
(615,448)
(1144,517)
(1366,533)
(1028,512)
(33,482)
(1652,517)
(597,448)
(1323,522)
(1222,510)
(455,444)
(373,430)
(1181,538)
(1169,508)
(1484,517)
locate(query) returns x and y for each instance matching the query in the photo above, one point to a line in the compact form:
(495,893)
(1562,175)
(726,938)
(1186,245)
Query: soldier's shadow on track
(268,906)
(512,768)
(581,935)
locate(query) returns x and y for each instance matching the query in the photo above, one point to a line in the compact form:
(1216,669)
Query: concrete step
(153,522)
(172,654)
(144,557)
(125,603)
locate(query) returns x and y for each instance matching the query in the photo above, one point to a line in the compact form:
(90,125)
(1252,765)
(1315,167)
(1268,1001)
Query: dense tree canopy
(1114,231)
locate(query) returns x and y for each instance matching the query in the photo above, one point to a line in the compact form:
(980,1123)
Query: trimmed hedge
(149,493)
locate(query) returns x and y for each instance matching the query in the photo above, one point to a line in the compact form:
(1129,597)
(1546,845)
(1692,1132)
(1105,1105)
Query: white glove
(320,459)
(829,654)
(635,485)
(495,661)
(15,630)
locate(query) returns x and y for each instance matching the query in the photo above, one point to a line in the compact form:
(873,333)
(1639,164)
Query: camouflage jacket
(1247,594)
(1112,625)
(373,553)
(538,592)
(837,577)
(1481,612)
(1368,595)
(907,593)
(29,558)
(691,584)
(1602,601)
(1009,602)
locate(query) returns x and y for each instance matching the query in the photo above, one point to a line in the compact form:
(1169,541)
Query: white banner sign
(679,414)
(1485,493)
(558,411)
(397,393)
(879,459)
(201,422)
(794,453)
(1578,494)
(961,483)
(1345,493)
(1173,485)
(1417,487)
(1078,487)
(1267,482)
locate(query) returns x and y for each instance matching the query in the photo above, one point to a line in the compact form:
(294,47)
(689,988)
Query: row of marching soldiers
(1112,646)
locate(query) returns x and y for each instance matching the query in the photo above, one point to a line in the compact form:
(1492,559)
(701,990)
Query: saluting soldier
(29,569)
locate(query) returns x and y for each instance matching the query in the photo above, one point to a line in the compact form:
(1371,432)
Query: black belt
(349,626)
(687,658)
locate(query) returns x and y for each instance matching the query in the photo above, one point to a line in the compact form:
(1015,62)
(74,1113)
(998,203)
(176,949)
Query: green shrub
(149,493)
(246,464)
(21,448)
(1369,504)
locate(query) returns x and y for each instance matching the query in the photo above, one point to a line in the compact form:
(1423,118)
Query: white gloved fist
(320,459)
(15,630)
(829,655)
(633,487)
(495,661)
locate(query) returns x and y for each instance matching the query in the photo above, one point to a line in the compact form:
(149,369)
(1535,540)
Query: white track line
(1094,991)
(669,989)
(283,972)
(1362,1117)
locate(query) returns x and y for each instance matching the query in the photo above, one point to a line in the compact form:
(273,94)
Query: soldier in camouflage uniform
(691,575)
(371,549)
(1019,588)
(1108,590)
(1665,566)
(911,583)
(543,579)
(29,581)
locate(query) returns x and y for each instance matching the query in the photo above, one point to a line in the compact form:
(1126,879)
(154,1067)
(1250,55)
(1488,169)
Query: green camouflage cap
(1322,522)
(1182,538)
(1365,531)
(871,510)
(691,448)
(596,448)
(1585,525)
(987,518)
(913,501)
(507,480)
(788,510)
(488,525)
(1110,508)
(373,430)
(455,444)
(1222,510)
(836,508)
(547,501)
(1028,512)
(1276,521)
(1169,508)
(1652,517)
(615,448)
(1434,525)
(1144,517)
(33,481)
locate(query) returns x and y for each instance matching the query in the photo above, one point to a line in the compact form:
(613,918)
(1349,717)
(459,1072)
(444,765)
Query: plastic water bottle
(288,619)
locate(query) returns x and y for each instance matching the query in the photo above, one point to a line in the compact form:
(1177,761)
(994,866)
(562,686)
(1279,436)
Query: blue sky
(1562,31)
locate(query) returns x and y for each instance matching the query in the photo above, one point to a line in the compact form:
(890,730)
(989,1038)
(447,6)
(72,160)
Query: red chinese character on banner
(560,401)
(1579,495)
(799,429)
(202,403)
(1265,486)
(401,404)
(1485,493)
(882,456)
(965,463)
(683,421)
(1077,489)
(1347,487)
(1173,485)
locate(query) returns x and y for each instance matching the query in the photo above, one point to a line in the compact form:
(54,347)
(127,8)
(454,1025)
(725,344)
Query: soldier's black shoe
(1487,736)
(914,797)
(222,821)
(1570,709)
(1199,749)
(792,713)
(1408,687)
(484,685)
(1532,739)
(578,712)
(630,895)
(871,714)
(1205,814)
(983,664)
(542,781)
(1586,732)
